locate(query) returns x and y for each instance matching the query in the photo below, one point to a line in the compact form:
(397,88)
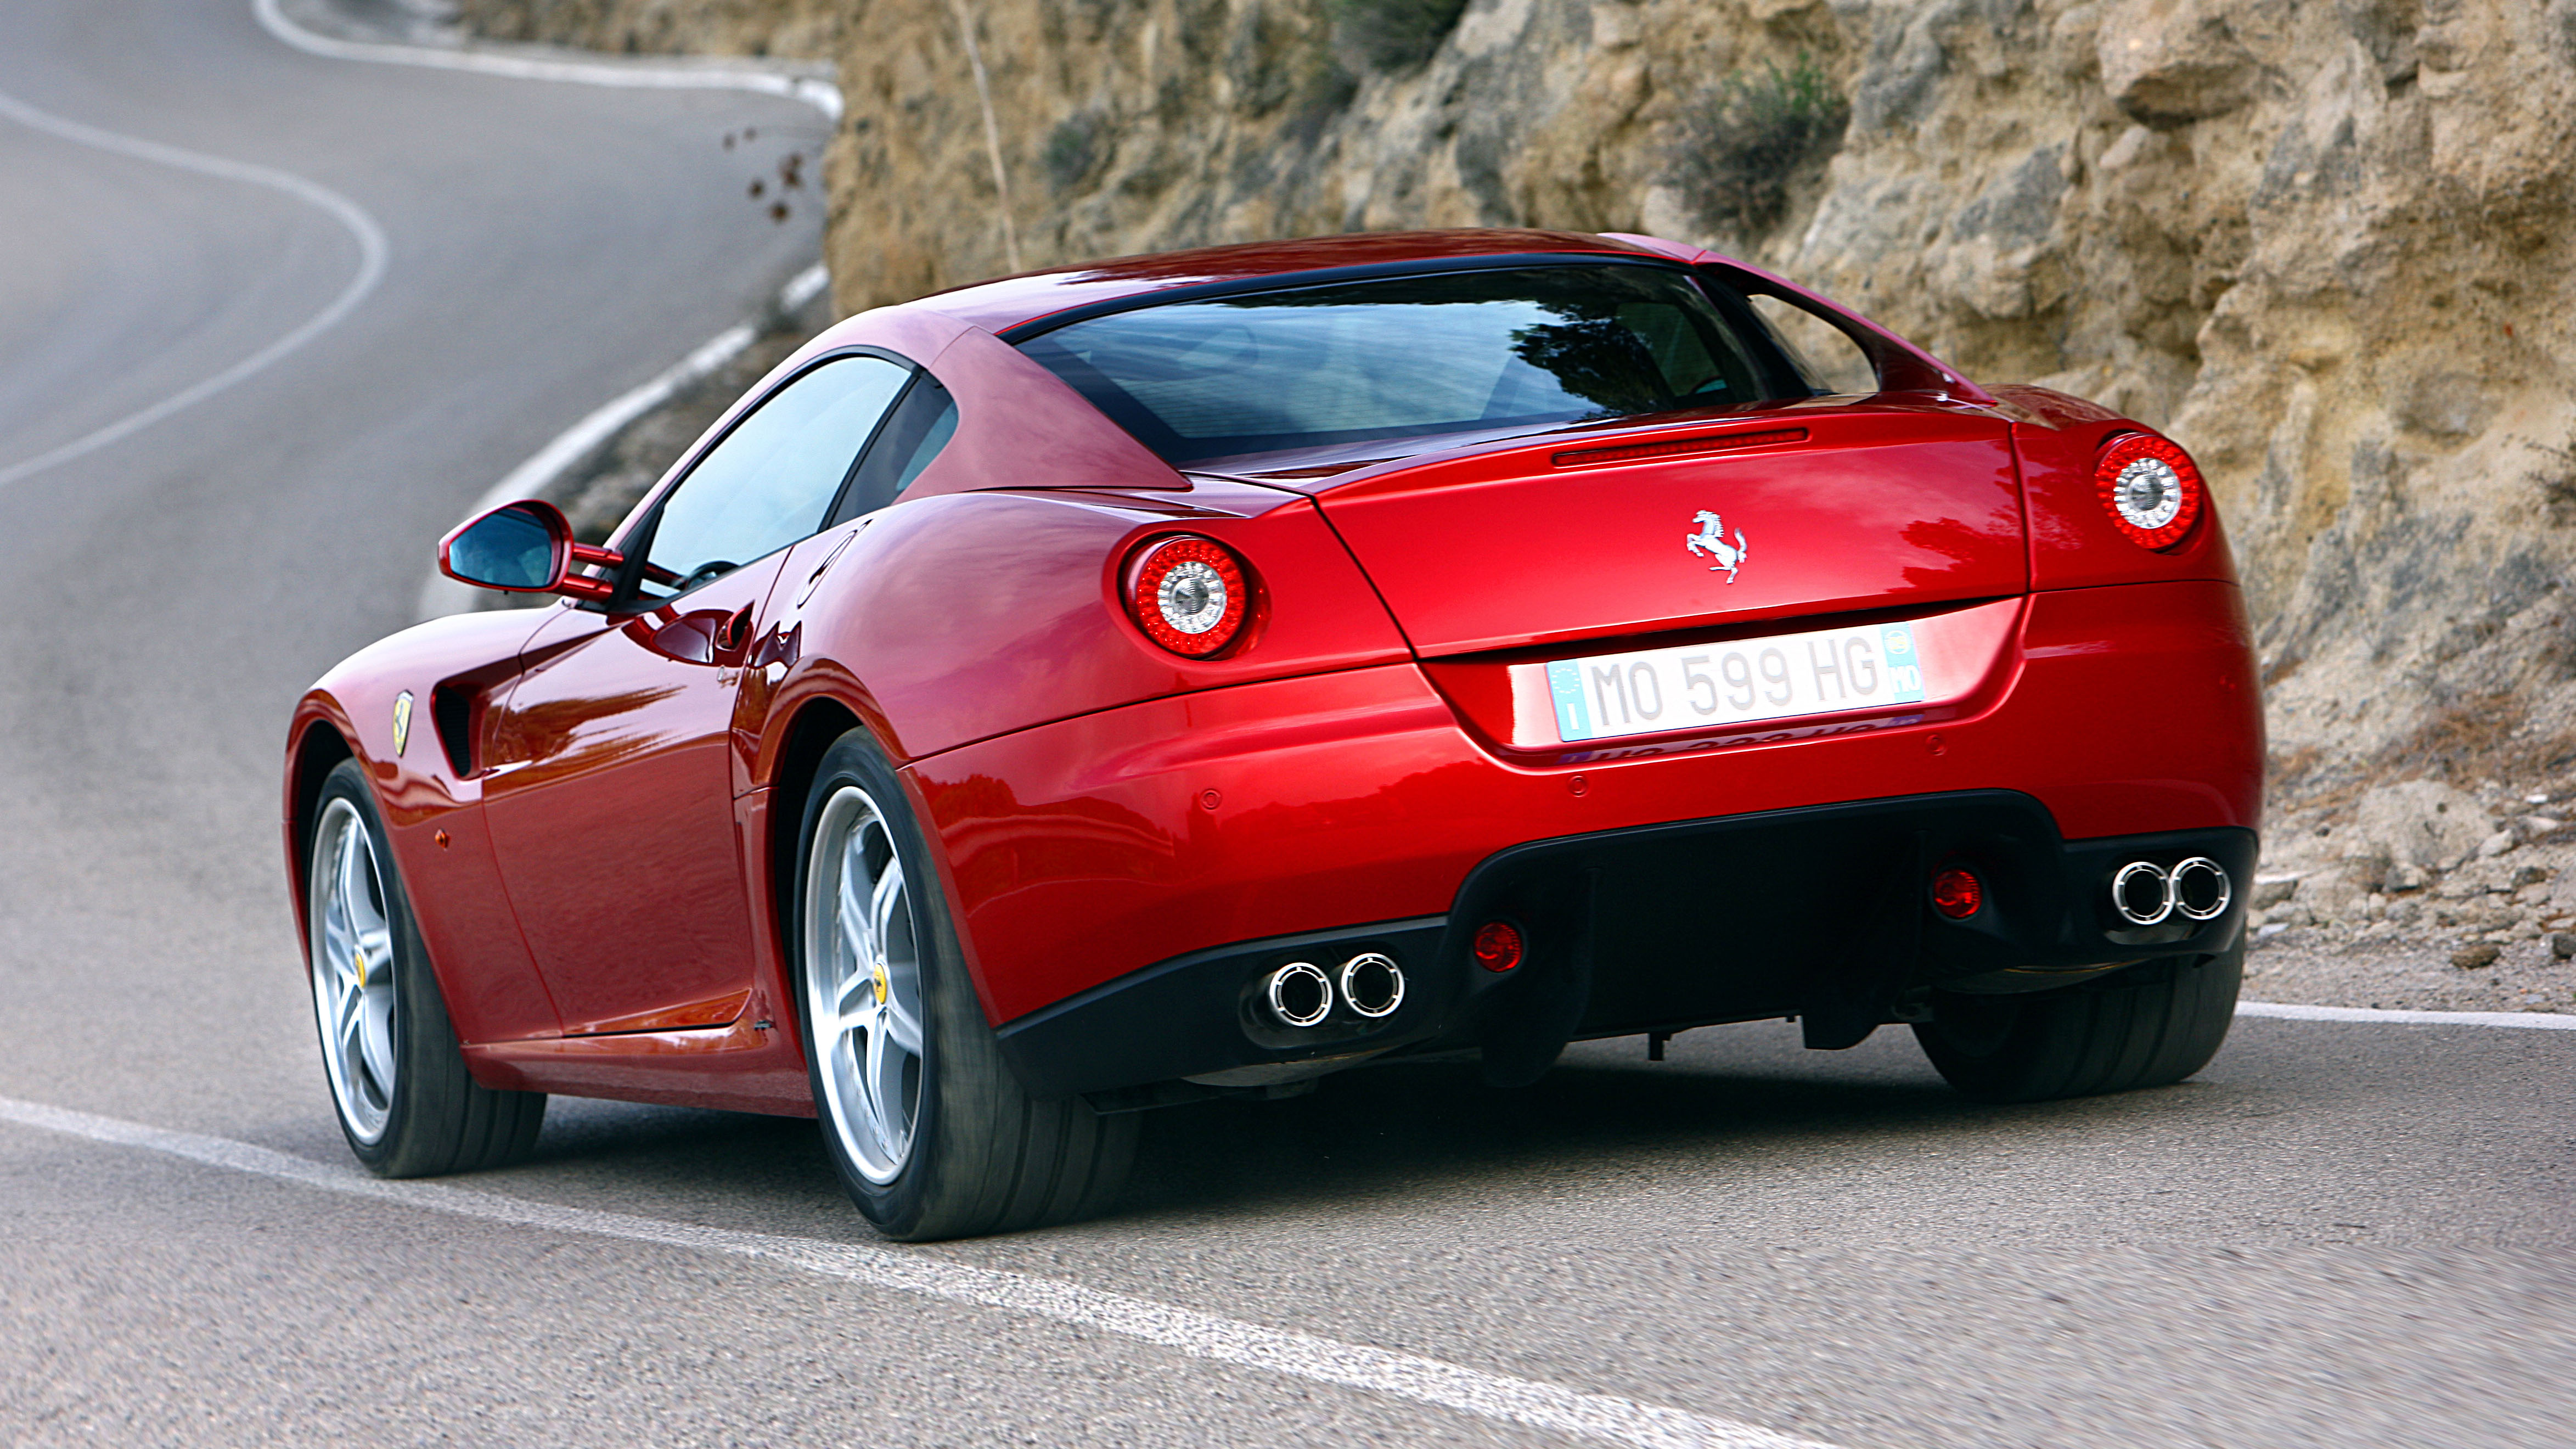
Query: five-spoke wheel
(353,970)
(863,983)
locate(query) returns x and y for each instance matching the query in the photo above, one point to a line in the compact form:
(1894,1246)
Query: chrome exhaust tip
(2201,889)
(1373,984)
(1299,994)
(2143,893)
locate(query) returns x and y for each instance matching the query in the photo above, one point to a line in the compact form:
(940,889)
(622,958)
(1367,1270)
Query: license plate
(1606,696)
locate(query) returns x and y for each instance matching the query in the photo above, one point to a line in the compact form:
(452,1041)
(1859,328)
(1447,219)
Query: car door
(610,798)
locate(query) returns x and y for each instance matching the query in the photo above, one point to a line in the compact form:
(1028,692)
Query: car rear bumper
(1089,858)
(1820,912)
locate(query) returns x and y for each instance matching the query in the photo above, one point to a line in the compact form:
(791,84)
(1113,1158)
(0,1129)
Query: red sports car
(1195,674)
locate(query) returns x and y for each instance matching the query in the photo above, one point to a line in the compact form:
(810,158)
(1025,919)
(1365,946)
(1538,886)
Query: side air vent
(452,709)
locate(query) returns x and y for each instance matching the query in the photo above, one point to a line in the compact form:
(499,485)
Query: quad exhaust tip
(2201,888)
(2145,893)
(1373,984)
(1299,994)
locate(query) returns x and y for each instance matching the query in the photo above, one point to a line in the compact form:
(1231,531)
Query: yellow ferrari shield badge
(402,720)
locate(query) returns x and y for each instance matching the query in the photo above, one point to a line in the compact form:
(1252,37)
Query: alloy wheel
(353,970)
(863,985)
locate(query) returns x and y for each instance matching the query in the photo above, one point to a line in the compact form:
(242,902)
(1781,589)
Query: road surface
(2339,1234)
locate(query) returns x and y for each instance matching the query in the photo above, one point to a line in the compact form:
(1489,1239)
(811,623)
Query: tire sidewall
(2011,1048)
(898,1207)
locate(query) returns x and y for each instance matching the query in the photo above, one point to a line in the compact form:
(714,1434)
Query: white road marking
(441,595)
(521,64)
(1543,1406)
(2530,1020)
(371,269)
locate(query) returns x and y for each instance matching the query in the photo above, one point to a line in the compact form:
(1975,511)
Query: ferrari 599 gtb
(1197,674)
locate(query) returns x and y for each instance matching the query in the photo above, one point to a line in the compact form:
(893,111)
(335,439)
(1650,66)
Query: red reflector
(1957,893)
(1498,945)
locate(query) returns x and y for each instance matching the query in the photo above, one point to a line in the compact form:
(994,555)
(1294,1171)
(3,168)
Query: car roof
(1011,302)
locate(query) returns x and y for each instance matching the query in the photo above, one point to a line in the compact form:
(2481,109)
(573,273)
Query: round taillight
(2152,489)
(1957,893)
(1498,945)
(1190,595)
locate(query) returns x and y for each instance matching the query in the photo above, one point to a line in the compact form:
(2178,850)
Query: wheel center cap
(877,978)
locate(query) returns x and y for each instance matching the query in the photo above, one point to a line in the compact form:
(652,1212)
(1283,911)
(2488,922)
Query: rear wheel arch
(978,1154)
(810,733)
(808,737)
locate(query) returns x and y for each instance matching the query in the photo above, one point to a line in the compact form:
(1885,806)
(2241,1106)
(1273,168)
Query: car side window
(1829,358)
(921,425)
(773,479)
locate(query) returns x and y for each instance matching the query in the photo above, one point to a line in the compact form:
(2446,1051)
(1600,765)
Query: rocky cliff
(2325,242)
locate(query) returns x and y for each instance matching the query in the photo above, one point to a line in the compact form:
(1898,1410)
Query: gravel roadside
(2324,967)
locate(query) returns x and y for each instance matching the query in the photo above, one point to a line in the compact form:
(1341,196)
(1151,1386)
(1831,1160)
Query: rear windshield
(1407,356)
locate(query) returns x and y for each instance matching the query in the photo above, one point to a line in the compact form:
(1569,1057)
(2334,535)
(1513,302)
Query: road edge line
(517,64)
(2525,1020)
(374,250)
(441,596)
(1434,1382)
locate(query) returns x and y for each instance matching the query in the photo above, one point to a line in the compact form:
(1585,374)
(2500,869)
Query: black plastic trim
(1821,912)
(1191,1014)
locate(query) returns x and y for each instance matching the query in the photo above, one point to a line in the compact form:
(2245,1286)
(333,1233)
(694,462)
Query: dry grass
(2483,737)
(2483,740)
(1753,138)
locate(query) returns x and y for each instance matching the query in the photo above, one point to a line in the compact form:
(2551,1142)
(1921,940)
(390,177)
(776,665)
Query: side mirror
(524,548)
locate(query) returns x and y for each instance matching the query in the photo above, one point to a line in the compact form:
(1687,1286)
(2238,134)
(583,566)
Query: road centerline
(1531,1403)
(372,252)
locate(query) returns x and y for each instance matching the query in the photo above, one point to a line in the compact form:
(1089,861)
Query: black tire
(2147,1026)
(434,1117)
(981,1156)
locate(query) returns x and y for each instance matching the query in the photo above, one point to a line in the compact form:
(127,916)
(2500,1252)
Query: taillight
(2152,489)
(1190,595)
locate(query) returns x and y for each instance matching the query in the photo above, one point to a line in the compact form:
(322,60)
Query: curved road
(2339,1234)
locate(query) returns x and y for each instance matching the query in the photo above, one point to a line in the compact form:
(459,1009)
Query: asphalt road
(2338,1235)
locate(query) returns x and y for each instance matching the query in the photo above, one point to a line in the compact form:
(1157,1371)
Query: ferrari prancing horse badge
(1711,540)
(402,720)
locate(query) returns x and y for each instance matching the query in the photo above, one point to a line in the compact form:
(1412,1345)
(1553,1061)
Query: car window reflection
(773,479)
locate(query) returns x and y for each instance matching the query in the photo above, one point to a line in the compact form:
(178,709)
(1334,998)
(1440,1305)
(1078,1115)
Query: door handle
(735,631)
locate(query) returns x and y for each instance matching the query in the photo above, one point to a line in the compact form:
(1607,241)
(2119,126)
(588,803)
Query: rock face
(2326,244)
(2419,823)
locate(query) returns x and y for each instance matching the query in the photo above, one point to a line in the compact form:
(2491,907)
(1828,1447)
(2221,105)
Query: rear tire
(931,1133)
(2148,1026)
(397,1074)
